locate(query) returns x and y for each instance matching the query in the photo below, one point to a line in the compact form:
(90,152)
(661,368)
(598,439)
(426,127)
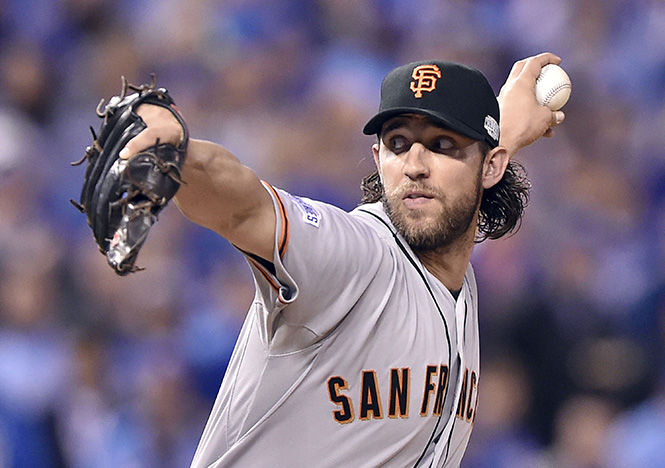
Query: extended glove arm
(219,192)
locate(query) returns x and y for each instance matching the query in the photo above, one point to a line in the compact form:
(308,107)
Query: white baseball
(552,87)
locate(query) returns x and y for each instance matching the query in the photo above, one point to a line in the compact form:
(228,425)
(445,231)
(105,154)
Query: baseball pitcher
(361,345)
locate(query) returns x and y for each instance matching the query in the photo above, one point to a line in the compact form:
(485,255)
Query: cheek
(455,176)
(390,173)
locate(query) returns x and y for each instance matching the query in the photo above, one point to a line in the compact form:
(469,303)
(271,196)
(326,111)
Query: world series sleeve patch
(310,215)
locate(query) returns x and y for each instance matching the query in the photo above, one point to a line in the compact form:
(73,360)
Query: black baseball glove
(122,198)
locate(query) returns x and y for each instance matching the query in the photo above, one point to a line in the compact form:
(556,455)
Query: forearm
(507,141)
(510,138)
(227,197)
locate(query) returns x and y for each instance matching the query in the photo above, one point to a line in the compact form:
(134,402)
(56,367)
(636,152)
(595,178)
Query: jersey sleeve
(323,260)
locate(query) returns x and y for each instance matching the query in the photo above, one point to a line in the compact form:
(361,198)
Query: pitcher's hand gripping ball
(122,198)
(552,87)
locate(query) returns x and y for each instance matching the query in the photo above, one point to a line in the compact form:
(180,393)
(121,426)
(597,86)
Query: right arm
(523,120)
(219,192)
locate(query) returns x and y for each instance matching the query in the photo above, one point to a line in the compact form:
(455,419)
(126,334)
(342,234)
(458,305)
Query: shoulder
(375,217)
(310,225)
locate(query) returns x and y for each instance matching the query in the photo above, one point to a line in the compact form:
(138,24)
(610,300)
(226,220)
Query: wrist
(508,142)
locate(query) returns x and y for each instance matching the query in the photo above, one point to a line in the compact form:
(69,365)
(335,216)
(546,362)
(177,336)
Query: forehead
(415,121)
(419,122)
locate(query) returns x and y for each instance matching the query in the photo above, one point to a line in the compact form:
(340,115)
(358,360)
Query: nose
(415,163)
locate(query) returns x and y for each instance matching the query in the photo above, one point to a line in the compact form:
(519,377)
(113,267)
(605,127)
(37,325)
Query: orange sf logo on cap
(425,77)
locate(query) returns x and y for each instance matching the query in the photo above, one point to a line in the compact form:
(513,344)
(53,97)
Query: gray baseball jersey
(352,353)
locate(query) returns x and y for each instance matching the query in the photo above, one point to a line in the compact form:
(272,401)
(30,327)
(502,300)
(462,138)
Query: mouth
(415,200)
(417,195)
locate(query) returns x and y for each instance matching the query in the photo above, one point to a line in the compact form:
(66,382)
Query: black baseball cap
(455,95)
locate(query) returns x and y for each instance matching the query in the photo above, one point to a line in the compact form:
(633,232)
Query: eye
(442,144)
(398,144)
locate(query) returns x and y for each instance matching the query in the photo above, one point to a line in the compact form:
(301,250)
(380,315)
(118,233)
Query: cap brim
(373,127)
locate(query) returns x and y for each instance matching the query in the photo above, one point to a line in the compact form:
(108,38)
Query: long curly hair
(501,207)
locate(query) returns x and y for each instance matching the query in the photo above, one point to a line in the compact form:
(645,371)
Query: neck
(448,263)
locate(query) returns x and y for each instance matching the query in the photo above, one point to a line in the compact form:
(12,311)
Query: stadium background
(100,371)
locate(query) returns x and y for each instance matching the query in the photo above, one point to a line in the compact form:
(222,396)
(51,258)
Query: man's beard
(450,225)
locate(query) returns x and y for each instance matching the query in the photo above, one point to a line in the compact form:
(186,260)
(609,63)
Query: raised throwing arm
(523,120)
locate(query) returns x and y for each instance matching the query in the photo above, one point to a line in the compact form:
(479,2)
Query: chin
(423,217)
(429,228)
(422,230)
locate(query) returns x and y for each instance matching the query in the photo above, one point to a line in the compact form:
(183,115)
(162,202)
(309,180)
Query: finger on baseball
(541,59)
(534,64)
(517,68)
(547,57)
(557,118)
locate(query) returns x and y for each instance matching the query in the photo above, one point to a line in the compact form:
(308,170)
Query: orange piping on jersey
(284,235)
(274,284)
(265,274)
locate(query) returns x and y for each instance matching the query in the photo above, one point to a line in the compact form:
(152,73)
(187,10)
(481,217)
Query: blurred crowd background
(102,371)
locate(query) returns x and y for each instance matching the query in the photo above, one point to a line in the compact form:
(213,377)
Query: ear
(494,166)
